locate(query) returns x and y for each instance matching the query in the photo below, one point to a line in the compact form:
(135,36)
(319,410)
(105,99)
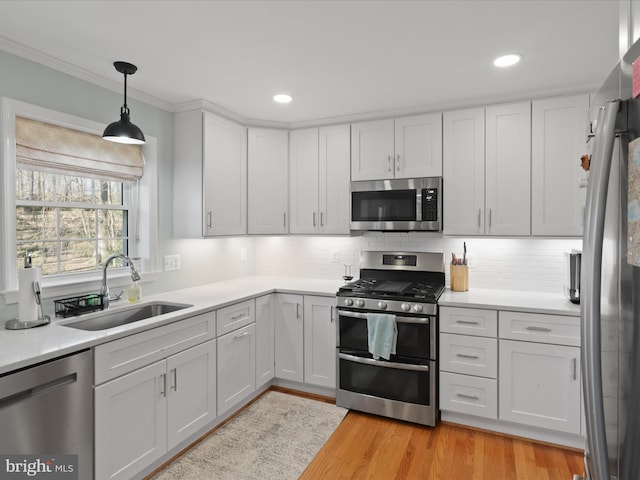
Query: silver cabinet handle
(238,317)
(209,219)
(314,219)
(467,322)
(321,219)
(284,219)
(470,397)
(333,315)
(574,369)
(389,163)
(237,337)
(175,379)
(489,217)
(297,310)
(163,392)
(398,162)
(538,329)
(462,355)
(479,216)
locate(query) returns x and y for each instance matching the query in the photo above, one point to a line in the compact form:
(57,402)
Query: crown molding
(64,67)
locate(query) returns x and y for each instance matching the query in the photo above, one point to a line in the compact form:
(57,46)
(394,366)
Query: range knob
(360,303)
(417,307)
(382,305)
(348,302)
(406,307)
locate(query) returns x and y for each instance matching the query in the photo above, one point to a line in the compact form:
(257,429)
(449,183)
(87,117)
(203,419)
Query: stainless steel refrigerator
(610,295)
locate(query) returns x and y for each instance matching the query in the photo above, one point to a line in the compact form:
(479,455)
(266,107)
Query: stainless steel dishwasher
(48,409)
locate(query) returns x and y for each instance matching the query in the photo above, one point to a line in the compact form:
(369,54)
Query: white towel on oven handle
(382,334)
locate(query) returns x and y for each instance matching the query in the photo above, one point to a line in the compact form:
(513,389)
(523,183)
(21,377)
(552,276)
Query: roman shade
(45,146)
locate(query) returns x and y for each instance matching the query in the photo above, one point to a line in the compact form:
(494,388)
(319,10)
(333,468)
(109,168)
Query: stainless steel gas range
(405,287)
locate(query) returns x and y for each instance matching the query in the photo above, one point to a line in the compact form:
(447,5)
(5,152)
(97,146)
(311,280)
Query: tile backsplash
(507,263)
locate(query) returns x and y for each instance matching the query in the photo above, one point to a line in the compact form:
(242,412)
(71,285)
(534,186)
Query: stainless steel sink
(123,316)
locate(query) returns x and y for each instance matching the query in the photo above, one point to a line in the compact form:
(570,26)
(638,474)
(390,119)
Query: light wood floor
(375,448)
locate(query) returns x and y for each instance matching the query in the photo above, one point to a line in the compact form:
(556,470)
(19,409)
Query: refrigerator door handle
(590,322)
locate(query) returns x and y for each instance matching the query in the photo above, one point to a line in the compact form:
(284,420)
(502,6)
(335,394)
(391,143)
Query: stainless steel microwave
(410,204)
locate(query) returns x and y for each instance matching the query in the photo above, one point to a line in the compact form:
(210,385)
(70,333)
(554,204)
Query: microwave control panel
(429,204)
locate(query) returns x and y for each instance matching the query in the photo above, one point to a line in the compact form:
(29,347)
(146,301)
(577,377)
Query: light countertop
(22,348)
(514,300)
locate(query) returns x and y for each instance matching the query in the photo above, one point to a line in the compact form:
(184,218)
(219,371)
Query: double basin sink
(124,316)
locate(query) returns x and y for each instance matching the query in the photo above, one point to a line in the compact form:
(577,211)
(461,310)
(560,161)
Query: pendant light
(123,131)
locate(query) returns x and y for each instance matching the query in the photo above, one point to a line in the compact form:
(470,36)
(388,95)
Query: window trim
(70,284)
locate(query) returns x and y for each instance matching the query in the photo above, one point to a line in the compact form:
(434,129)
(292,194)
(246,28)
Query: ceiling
(338,59)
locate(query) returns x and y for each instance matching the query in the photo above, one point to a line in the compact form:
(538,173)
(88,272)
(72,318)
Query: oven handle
(378,363)
(347,313)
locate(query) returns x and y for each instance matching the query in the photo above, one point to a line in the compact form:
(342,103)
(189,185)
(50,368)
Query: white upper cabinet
(268,181)
(210,175)
(508,169)
(558,181)
(406,147)
(463,172)
(319,180)
(487,171)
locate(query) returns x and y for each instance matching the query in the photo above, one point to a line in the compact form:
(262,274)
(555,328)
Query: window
(70,223)
(71,209)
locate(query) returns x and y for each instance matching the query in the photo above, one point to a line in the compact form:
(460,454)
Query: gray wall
(202,260)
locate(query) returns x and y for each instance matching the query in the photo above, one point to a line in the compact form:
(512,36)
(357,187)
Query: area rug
(276,437)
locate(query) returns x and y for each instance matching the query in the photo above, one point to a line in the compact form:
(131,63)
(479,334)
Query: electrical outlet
(243,254)
(171,262)
(335,256)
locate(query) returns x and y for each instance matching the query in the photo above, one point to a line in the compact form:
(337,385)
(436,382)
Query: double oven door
(402,387)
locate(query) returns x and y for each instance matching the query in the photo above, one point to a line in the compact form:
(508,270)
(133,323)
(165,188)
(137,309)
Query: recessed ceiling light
(282,98)
(507,60)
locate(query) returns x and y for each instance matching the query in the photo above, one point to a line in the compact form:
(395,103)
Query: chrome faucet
(104,290)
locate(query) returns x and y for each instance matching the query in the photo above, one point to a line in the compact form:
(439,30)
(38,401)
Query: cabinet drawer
(235,316)
(129,353)
(469,355)
(471,395)
(469,321)
(536,327)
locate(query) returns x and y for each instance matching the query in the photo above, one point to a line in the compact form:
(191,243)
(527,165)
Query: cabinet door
(265,338)
(130,422)
(319,341)
(236,367)
(558,181)
(268,191)
(334,200)
(289,337)
(372,151)
(540,385)
(418,146)
(463,172)
(303,181)
(191,385)
(508,169)
(224,177)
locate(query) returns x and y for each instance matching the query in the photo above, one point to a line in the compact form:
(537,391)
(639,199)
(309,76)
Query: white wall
(516,264)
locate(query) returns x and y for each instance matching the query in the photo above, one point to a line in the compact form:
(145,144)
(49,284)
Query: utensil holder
(459,278)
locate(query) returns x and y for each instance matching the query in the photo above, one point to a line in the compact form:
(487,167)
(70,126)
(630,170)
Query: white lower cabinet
(516,369)
(540,385)
(319,341)
(305,342)
(265,339)
(289,333)
(236,367)
(143,414)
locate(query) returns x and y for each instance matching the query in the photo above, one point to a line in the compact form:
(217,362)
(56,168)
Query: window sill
(62,286)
